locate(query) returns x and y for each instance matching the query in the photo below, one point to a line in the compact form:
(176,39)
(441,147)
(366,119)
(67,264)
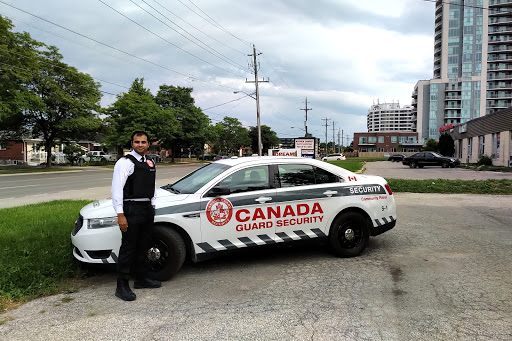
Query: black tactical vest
(141,184)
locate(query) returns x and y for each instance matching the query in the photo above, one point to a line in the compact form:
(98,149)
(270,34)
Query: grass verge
(489,186)
(36,251)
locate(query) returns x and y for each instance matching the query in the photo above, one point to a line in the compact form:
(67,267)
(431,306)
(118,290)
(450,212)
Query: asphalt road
(443,273)
(86,183)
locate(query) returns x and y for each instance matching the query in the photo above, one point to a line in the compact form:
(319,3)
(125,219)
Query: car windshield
(197,179)
(436,154)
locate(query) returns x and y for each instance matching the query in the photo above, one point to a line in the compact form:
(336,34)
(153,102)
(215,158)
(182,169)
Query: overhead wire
(117,49)
(213,22)
(167,41)
(205,47)
(206,34)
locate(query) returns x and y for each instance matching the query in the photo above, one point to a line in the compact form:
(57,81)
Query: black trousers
(136,240)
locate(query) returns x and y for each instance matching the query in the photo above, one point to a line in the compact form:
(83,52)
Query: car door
(305,201)
(242,218)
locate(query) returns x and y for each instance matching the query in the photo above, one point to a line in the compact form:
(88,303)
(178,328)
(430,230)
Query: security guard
(133,197)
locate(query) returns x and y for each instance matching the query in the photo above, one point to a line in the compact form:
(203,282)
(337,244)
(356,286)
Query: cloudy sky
(343,55)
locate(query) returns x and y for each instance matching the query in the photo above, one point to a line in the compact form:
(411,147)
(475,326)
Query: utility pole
(326,125)
(333,138)
(306,122)
(342,137)
(256,81)
(339,139)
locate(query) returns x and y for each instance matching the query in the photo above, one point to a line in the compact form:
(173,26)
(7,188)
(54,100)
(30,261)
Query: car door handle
(330,193)
(262,200)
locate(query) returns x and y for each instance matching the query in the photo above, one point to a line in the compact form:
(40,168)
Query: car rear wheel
(349,234)
(445,164)
(167,253)
(413,164)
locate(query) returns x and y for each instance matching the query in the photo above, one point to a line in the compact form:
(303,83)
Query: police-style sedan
(247,202)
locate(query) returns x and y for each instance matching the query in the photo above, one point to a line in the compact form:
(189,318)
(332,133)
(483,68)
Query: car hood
(103,208)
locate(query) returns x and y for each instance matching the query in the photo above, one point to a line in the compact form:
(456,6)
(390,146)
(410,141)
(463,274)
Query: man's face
(140,144)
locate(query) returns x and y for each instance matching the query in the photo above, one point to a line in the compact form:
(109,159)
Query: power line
(215,24)
(215,52)
(116,49)
(167,41)
(457,4)
(206,34)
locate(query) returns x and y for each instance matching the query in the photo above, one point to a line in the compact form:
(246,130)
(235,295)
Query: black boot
(123,290)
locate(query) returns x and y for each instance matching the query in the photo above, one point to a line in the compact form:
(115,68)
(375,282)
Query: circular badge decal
(219,211)
(150,163)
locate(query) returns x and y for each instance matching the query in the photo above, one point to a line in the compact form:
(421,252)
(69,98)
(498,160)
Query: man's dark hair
(139,133)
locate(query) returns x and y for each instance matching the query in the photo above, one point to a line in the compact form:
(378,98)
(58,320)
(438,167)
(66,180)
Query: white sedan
(247,202)
(334,157)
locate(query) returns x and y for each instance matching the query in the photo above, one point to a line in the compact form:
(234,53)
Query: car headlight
(99,223)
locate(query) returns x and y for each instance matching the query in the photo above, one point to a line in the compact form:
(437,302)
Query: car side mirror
(218,191)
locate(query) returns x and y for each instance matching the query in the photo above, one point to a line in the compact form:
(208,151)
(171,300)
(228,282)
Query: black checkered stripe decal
(384,221)
(111,259)
(261,239)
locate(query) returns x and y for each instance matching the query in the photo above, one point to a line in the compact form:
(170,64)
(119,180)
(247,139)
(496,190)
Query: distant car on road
(397,157)
(334,157)
(97,155)
(423,159)
(155,157)
(220,157)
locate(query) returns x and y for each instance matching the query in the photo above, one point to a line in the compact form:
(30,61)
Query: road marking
(19,186)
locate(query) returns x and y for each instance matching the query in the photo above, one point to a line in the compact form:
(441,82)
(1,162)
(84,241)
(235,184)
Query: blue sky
(342,55)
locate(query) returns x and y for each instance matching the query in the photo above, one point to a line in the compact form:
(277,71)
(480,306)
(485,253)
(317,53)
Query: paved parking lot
(388,169)
(443,273)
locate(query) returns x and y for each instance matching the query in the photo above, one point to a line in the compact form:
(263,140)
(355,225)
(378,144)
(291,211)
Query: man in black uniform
(133,197)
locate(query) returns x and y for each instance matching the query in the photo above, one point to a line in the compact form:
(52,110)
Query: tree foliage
(42,95)
(269,138)
(431,145)
(446,145)
(137,110)
(192,125)
(231,135)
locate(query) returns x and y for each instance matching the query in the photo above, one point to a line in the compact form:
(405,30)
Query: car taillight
(388,189)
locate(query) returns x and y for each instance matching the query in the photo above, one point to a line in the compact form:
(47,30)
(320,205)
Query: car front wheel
(166,254)
(349,234)
(445,164)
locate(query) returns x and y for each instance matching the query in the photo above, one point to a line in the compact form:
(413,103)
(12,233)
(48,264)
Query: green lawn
(36,250)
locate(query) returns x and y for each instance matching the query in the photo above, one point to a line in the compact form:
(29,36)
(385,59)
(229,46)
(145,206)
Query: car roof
(259,160)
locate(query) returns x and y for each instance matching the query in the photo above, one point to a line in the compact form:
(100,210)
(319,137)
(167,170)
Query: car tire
(412,164)
(349,234)
(445,164)
(172,250)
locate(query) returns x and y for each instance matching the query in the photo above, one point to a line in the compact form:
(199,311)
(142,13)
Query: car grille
(78,225)
(99,254)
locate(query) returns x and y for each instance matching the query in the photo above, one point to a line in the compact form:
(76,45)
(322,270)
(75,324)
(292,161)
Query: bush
(484,160)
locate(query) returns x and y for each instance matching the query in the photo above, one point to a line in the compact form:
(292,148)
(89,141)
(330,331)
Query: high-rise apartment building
(390,117)
(472,73)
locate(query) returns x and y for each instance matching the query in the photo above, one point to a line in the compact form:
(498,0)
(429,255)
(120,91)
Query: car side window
(296,175)
(246,180)
(324,177)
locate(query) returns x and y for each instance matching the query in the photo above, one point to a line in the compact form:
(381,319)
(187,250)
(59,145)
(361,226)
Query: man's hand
(123,223)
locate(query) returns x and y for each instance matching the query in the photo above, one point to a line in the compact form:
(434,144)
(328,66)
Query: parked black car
(423,159)
(397,157)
